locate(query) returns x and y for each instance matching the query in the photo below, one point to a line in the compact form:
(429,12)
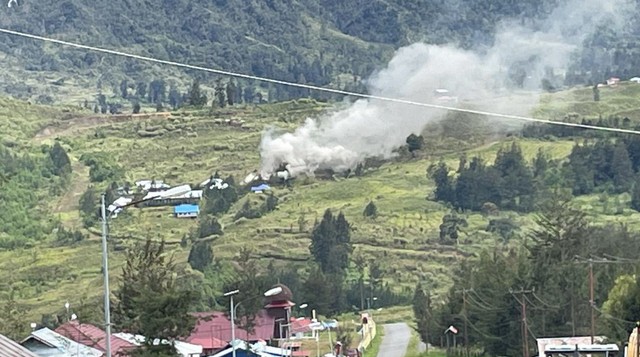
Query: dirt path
(66,206)
(65,127)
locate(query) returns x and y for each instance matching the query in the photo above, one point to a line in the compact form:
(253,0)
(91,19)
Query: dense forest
(328,43)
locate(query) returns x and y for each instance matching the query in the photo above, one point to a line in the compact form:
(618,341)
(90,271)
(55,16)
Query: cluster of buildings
(275,333)
(151,193)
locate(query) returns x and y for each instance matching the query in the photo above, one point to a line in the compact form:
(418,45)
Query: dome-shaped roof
(285,294)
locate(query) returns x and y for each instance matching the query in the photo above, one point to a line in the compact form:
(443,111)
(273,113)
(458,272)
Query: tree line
(604,165)
(550,274)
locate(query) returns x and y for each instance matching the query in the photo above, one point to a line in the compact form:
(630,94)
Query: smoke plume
(368,128)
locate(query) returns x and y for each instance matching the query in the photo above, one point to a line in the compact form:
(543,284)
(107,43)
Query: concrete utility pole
(105,273)
(525,325)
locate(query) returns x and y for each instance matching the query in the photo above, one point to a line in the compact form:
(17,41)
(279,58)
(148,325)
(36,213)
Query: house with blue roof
(186,211)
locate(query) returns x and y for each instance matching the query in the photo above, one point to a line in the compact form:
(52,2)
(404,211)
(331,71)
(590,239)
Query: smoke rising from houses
(368,128)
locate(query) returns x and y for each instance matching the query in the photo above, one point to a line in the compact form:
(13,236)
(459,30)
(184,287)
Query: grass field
(189,146)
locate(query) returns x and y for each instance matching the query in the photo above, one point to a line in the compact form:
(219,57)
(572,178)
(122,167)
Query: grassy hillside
(188,146)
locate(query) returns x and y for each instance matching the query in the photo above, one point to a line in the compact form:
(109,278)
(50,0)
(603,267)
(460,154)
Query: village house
(9,348)
(186,211)
(47,343)
(95,337)
(270,324)
(152,185)
(613,81)
(192,197)
(184,349)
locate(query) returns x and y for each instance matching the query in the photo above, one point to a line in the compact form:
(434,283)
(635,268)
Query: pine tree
(635,197)
(141,90)
(60,160)
(209,225)
(196,98)
(124,89)
(200,255)
(150,301)
(517,180)
(444,191)
(621,169)
(220,93)
(371,210)
(323,239)
(343,230)
(415,142)
(422,312)
(540,164)
(88,204)
(316,292)
(231,92)
(581,171)
(175,99)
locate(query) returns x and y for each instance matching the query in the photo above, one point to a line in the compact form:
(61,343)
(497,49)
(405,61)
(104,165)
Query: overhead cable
(312,87)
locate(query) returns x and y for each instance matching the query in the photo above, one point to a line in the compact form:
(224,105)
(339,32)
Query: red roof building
(217,325)
(95,337)
(214,328)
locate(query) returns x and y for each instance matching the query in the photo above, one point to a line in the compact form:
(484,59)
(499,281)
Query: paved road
(395,340)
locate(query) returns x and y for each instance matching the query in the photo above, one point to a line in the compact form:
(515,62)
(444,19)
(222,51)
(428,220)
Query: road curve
(395,340)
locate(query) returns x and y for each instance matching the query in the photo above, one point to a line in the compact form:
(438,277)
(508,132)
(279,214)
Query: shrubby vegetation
(27,179)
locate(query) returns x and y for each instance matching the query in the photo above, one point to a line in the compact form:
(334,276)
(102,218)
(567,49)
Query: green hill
(323,42)
(190,145)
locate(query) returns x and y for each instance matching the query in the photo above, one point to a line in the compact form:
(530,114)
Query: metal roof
(93,336)
(59,346)
(186,208)
(10,348)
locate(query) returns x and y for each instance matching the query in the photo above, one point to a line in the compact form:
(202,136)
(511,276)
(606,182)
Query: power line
(481,299)
(312,87)
(611,317)
(544,302)
(481,306)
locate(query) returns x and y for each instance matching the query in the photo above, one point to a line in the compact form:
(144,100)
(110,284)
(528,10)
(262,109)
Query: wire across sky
(312,87)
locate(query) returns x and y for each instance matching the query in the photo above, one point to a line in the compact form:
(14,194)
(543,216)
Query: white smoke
(369,128)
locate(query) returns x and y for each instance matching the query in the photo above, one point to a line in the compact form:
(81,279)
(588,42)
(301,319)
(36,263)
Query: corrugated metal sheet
(9,348)
(55,345)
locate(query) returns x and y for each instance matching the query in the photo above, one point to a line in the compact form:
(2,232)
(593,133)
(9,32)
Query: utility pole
(591,301)
(105,273)
(464,314)
(525,325)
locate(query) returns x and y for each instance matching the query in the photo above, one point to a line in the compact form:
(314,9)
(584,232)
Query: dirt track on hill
(82,123)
